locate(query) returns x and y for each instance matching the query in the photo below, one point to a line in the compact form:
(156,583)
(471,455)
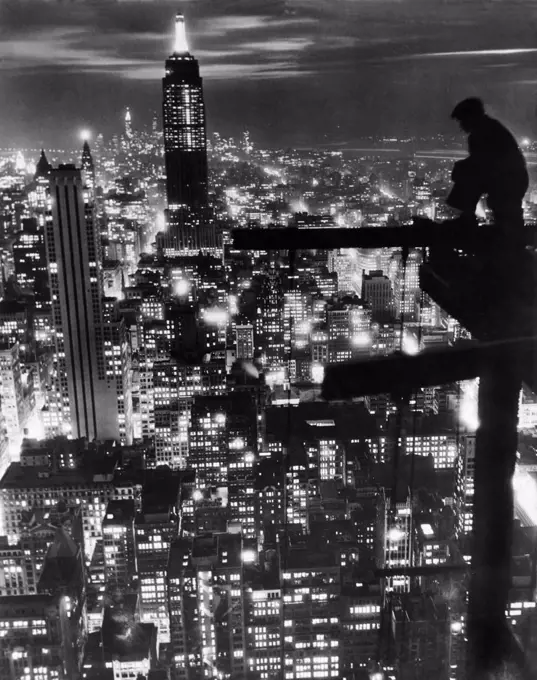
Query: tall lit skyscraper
(83,402)
(88,168)
(185,146)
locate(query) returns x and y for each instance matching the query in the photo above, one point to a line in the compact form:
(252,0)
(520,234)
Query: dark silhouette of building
(185,147)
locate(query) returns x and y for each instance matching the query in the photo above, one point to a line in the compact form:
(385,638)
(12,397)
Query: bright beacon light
(317,373)
(468,413)
(395,535)
(85,135)
(182,288)
(525,489)
(181,44)
(216,317)
(248,556)
(410,344)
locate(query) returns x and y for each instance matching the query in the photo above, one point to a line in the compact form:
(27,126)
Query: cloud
(371,59)
(258,49)
(58,48)
(129,39)
(474,53)
(288,45)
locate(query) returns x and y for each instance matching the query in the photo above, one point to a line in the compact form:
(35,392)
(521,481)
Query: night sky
(295,72)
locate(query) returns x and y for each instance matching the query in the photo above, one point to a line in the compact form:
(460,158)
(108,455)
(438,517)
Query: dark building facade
(185,146)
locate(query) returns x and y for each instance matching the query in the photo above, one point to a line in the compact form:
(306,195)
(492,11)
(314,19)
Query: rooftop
(20,477)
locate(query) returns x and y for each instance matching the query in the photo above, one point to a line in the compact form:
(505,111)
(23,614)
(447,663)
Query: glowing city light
(249,368)
(362,340)
(317,373)
(35,427)
(232,193)
(85,135)
(456,627)
(182,288)
(427,529)
(468,406)
(216,317)
(248,556)
(480,210)
(197,495)
(525,490)
(410,344)
(233,305)
(275,377)
(304,327)
(20,163)
(395,535)
(525,142)
(181,43)
(160,222)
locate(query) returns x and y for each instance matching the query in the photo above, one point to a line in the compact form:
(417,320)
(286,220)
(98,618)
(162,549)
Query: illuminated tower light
(128,123)
(181,43)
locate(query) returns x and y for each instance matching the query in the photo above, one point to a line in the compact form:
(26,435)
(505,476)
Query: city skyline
(261,416)
(347,64)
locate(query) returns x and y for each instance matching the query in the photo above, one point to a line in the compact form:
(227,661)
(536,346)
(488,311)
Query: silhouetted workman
(495,167)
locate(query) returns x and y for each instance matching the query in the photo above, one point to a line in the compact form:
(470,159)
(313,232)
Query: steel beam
(401,374)
(424,233)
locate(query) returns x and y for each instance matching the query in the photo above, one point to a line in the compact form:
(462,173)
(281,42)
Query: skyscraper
(185,146)
(84,401)
(88,168)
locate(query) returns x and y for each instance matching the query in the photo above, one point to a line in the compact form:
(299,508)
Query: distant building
(464,486)
(16,398)
(29,257)
(244,341)
(395,534)
(378,293)
(205,577)
(155,529)
(44,488)
(45,633)
(421,633)
(185,151)
(120,566)
(123,648)
(82,402)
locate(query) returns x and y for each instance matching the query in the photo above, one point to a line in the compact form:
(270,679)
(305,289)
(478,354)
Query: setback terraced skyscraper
(185,146)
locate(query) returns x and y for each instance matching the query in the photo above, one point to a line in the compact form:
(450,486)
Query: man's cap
(468,108)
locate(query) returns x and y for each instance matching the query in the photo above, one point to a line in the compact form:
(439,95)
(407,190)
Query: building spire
(87,159)
(43,167)
(181,44)
(128,123)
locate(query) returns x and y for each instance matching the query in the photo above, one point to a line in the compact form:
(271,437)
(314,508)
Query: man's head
(469,113)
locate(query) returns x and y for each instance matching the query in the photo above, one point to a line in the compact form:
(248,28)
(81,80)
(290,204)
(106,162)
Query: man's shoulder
(493,126)
(491,133)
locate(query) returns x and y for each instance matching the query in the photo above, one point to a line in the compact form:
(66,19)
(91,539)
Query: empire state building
(185,147)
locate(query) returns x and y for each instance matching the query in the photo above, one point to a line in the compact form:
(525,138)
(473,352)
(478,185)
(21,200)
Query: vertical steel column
(496,446)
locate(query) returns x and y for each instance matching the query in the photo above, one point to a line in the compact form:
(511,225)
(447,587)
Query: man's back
(498,157)
(492,142)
